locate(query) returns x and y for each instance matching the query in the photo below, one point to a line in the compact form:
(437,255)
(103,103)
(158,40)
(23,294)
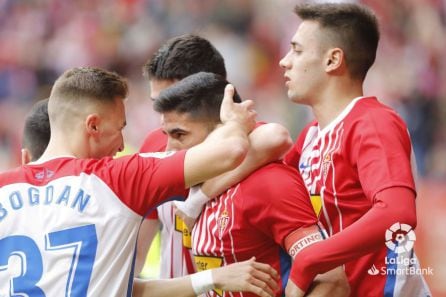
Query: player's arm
(147,232)
(362,237)
(332,283)
(381,153)
(268,143)
(224,148)
(247,276)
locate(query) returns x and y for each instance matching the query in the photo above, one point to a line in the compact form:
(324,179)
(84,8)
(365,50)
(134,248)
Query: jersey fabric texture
(176,252)
(253,218)
(365,150)
(68,226)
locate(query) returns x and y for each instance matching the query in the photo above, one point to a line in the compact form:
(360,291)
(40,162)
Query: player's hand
(292,290)
(247,276)
(188,221)
(241,113)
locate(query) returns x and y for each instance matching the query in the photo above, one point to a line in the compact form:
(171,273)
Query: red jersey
(365,150)
(74,222)
(155,141)
(253,218)
(176,253)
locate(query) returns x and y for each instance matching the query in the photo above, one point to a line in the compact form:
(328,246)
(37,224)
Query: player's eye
(178,135)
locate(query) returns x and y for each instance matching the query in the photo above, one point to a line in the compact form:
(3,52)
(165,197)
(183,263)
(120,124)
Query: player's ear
(334,60)
(26,156)
(92,122)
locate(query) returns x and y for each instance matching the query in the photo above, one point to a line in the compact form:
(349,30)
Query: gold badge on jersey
(222,223)
(208,262)
(180,226)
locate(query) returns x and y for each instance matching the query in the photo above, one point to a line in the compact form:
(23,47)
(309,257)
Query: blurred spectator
(40,39)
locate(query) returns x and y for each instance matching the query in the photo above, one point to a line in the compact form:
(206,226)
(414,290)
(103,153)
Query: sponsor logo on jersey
(180,226)
(208,262)
(303,166)
(373,270)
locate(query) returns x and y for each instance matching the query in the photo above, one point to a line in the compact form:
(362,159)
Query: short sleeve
(277,202)
(152,215)
(143,181)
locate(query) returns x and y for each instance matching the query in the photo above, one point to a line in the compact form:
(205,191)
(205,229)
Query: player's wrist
(237,125)
(194,203)
(202,282)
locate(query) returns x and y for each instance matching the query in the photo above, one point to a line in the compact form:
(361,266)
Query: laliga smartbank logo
(400,239)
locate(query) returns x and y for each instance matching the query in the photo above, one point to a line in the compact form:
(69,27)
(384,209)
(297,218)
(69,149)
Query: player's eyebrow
(175,130)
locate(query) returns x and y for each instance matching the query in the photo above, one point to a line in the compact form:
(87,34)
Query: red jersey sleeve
(380,149)
(155,141)
(277,202)
(153,215)
(143,181)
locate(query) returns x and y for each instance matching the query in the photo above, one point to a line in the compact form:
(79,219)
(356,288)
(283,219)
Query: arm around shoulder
(226,146)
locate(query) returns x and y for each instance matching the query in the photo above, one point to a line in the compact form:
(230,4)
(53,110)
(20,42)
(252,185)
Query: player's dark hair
(351,27)
(37,132)
(199,95)
(182,56)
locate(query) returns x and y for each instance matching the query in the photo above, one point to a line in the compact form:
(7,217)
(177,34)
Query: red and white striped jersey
(176,247)
(176,252)
(365,150)
(68,226)
(253,218)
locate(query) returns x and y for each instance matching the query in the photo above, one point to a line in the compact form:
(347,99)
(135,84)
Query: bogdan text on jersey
(44,196)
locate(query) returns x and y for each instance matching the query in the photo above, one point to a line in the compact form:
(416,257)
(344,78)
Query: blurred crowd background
(39,39)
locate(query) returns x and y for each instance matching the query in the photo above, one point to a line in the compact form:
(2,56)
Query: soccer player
(243,276)
(267,215)
(69,220)
(36,132)
(176,59)
(355,158)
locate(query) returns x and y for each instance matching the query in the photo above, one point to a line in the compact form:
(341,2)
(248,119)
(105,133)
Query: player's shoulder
(40,173)
(155,141)
(370,108)
(276,173)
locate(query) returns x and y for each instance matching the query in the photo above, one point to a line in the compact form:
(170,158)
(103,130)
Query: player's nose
(284,62)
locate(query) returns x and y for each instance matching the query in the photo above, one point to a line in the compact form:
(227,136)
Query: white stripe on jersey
(173,262)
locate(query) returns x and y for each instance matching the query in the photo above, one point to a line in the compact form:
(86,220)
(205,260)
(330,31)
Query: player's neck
(62,146)
(333,101)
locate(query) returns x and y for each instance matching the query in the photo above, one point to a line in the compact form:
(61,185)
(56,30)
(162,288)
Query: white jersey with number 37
(68,227)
